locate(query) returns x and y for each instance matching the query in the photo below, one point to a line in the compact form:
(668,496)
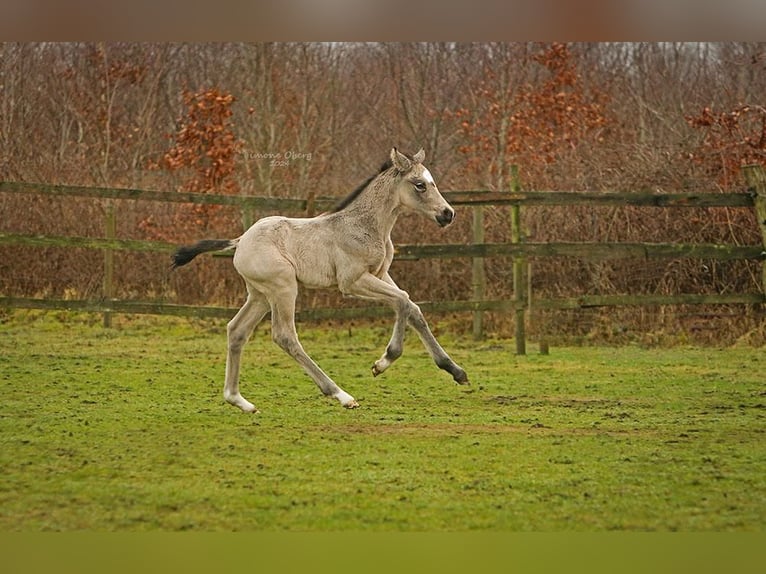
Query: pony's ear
(400,161)
(419,157)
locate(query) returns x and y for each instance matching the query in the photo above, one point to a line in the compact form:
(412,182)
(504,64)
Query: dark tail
(188,252)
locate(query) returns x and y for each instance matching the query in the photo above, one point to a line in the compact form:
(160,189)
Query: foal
(349,247)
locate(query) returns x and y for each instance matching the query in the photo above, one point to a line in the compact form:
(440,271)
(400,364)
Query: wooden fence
(520,304)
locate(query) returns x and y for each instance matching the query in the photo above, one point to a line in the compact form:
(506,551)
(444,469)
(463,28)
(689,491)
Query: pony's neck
(377,207)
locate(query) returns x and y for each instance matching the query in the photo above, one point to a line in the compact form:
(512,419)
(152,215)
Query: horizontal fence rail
(584,250)
(407,252)
(478,250)
(560,303)
(525,198)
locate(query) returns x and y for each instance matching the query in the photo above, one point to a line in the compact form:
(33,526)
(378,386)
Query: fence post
(478,274)
(247,215)
(755,176)
(519,269)
(108,286)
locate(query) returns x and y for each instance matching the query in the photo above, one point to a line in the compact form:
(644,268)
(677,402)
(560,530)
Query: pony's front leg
(383,289)
(438,354)
(406,312)
(395,345)
(409,312)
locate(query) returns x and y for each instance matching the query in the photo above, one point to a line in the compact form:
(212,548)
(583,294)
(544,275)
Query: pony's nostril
(445,217)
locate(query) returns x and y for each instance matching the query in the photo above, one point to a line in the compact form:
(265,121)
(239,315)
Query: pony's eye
(420,185)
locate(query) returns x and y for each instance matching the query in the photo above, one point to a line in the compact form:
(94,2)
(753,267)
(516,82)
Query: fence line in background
(517,249)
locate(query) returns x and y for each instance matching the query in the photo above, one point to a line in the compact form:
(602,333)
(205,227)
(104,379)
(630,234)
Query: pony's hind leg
(239,330)
(284,334)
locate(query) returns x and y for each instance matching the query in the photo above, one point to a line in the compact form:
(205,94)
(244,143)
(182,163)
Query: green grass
(125,429)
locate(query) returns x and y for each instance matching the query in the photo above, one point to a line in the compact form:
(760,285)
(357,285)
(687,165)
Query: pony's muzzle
(446,217)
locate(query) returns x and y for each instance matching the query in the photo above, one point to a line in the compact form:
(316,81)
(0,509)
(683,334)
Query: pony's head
(416,188)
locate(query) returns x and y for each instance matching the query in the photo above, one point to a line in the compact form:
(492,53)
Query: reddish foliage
(206,146)
(205,142)
(532,124)
(731,140)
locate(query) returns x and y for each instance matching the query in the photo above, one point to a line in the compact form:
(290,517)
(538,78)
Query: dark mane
(344,203)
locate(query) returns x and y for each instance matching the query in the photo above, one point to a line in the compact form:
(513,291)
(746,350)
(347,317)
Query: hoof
(240,402)
(380,366)
(461,378)
(346,400)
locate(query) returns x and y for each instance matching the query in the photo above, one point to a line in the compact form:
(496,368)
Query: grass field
(126,429)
